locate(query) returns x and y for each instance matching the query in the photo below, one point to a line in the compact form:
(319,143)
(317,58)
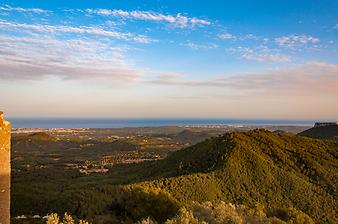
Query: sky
(169,59)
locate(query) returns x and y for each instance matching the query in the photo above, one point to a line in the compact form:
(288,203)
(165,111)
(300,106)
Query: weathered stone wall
(5,170)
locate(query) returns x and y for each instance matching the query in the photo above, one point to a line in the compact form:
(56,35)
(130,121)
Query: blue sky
(225,59)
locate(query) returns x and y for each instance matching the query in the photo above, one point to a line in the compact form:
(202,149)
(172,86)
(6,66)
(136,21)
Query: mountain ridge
(256,167)
(329,132)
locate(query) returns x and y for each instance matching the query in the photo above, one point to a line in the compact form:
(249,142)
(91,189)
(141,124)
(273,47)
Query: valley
(87,172)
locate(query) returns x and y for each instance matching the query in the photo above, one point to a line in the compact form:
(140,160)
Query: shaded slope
(192,137)
(323,132)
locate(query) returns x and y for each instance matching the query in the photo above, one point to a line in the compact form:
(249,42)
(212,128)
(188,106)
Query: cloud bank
(314,78)
(40,57)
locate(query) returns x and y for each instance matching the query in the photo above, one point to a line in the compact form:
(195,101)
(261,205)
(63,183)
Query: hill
(258,167)
(329,132)
(38,136)
(192,137)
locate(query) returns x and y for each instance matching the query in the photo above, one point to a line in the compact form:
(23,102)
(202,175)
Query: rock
(5,170)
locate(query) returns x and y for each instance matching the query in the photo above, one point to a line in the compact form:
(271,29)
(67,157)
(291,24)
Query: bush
(67,219)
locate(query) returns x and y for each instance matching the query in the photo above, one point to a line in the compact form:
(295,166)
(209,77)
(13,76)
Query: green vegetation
(293,179)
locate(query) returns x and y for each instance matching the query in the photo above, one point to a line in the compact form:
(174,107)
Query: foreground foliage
(215,213)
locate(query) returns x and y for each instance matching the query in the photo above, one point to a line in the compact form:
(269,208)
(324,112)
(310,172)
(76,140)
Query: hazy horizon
(332,119)
(148,122)
(155,59)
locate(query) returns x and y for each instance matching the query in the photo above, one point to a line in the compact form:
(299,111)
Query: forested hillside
(276,171)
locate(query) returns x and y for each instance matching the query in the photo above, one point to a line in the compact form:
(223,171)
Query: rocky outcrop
(5,170)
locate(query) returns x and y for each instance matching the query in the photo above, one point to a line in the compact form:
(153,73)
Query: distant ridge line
(323,124)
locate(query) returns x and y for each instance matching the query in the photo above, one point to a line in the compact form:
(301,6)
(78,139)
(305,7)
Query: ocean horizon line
(101,122)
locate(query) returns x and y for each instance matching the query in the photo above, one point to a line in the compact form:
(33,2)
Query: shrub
(67,219)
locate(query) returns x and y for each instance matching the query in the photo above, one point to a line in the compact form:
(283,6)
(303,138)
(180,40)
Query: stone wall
(5,170)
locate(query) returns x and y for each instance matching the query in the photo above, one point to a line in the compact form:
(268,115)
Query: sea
(19,122)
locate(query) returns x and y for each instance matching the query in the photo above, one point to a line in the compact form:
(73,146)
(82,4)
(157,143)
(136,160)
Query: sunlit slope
(275,170)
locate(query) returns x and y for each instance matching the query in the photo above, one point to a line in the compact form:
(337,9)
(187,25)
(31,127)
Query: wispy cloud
(19,9)
(229,36)
(260,54)
(294,41)
(77,30)
(196,46)
(178,20)
(38,57)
